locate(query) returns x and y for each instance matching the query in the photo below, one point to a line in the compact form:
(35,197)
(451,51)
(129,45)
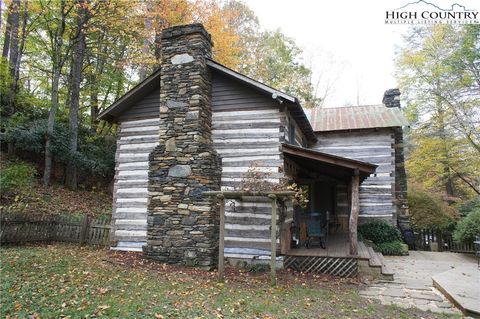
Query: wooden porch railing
(22,228)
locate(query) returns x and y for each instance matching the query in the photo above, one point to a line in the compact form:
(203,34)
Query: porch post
(221,239)
(273,240)
(355,208)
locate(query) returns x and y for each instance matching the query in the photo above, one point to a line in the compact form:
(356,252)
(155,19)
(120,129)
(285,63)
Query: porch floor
(337,246)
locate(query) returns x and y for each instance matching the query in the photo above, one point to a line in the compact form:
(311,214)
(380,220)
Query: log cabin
(195,125)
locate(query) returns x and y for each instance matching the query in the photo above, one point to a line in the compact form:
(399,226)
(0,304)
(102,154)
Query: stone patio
(413,285)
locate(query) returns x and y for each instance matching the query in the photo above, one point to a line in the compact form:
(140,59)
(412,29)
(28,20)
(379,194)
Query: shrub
(392,248)
(468,227)
(17,177)
(429,211)
(379,232)
(469,206)
(95,155)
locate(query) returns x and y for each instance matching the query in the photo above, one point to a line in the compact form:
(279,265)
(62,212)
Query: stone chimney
(182,223)
(391,98)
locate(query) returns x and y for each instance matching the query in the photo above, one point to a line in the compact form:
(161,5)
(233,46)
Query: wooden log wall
(248,126)
(300,139)
(377,191)
(136,140)
(246,129)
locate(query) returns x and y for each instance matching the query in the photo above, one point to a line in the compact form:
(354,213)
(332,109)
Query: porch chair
(317,227)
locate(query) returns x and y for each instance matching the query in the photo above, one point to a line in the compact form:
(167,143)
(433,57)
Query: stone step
(377,261)
(386,271)
(129,246)
(374,260)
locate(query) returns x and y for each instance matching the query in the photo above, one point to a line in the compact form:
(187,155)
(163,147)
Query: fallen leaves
(87,282)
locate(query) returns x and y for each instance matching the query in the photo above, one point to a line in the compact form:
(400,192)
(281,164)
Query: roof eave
(247,80)
(365,167)
(106,114)
(360,128)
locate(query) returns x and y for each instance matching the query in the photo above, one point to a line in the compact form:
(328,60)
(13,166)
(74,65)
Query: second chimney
(391,98)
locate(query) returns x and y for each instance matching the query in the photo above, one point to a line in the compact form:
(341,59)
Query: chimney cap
(186,29)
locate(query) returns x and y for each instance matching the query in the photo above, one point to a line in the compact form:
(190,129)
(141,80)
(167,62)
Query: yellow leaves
(100,309)
(159,316)
(18,306)
(103,291)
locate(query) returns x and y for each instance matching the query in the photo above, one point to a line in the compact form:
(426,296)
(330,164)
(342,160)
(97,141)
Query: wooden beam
(328,158)
(273,243)
(221,240)
(240,194)
(355,208)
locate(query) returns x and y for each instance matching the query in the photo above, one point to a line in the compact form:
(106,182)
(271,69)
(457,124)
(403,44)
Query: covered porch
(338,246)
(327,226)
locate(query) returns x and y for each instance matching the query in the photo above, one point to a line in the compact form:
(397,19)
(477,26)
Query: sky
(345,42)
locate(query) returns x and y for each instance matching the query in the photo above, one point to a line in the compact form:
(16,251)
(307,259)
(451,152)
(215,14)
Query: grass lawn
(68,281)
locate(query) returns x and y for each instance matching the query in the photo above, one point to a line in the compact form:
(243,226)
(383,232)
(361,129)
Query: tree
(438,72)
(428,211)
(278,64)
(10,51)
(77,69)
(16,67)
(55,22)
(70,59)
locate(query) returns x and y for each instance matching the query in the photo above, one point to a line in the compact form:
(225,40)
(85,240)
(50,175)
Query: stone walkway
(413,286)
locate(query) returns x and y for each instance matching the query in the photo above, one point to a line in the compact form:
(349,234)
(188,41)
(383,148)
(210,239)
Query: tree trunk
(13,54)
(16,70)
(10,49)
(448,178)
(57,61)
(8,30)
(93,105)
(51,126)
(71,178)
(147,23)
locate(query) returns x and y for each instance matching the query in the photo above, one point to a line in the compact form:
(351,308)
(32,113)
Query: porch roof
(328,164)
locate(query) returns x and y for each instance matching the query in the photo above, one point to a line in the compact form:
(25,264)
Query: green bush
(95,155)
(469,206)
(392,248)
(379,232)
(17,177)
(468,227)
(428,211)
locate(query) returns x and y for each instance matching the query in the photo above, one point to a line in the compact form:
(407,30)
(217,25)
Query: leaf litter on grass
(60,281)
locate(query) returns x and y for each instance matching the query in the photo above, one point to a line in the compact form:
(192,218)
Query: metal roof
(355,117)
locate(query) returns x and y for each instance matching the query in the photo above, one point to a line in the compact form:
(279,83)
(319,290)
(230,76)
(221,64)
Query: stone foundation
(182,223)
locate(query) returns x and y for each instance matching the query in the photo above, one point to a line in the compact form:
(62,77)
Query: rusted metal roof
(355,117)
